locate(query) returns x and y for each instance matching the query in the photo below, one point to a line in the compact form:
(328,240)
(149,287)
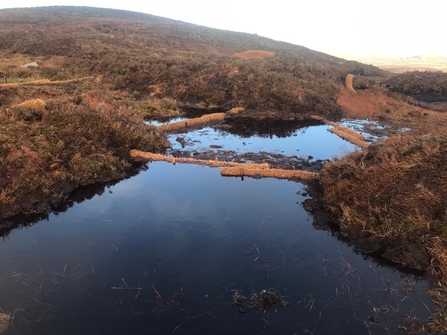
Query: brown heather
(397,191)
(255,54)
(44,151)
(396,188)
(103,71)
(149,56)
(4,322)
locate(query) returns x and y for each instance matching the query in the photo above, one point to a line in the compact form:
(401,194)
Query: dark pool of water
(164,252)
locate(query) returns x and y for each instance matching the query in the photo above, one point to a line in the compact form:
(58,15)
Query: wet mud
(274,160)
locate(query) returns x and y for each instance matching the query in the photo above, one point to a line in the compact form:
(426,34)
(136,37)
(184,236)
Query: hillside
(78,81)
(424,86)
(149,56)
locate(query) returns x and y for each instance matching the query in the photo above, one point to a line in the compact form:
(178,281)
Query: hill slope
(78,82)
(152,56)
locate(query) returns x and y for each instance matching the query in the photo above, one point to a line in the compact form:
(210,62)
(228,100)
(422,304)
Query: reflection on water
(186,113)
(269,127)
(164,252)
(77,196)
(315,141)
(165,120)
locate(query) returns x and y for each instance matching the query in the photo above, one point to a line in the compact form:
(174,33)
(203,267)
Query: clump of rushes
(42,152)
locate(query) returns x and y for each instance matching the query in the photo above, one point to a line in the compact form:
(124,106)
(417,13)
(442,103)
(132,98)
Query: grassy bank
(391,200)
(46,152)
(394,188)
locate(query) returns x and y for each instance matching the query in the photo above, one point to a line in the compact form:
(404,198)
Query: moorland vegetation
(99,72)
(423,85)
(102,72)
(149,56)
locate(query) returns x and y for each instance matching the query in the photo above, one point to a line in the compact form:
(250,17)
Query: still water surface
(315,141)
(165,251)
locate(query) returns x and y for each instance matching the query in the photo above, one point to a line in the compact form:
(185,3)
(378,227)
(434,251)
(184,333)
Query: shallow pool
(165,251)
(315,141)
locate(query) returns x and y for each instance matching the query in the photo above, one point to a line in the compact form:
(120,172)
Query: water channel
(168,250)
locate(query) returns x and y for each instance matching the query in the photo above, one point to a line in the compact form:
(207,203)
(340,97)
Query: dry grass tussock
(43,151)
(4,322)
(397,191)
(192,122)
(437,322)
(437,247)
(396,188)
(34,104)
(255,54)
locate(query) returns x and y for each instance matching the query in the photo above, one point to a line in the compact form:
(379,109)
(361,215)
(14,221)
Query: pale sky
(390,27)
